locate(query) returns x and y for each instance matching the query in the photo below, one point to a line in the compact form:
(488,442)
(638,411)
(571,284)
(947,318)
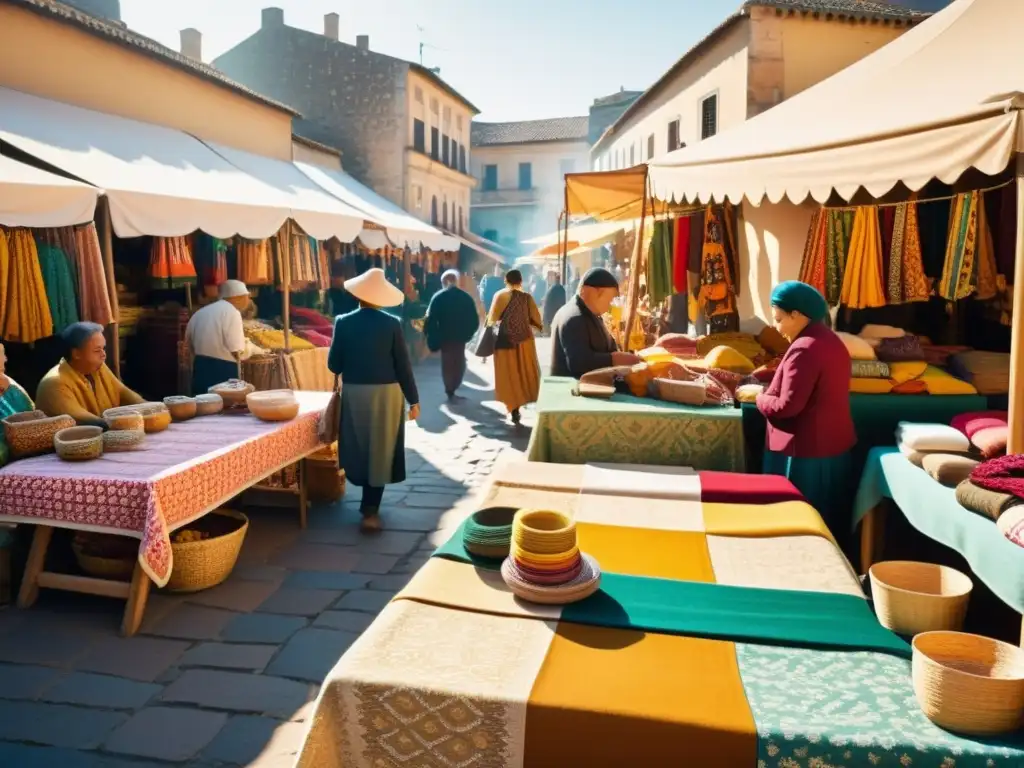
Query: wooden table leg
(36,560)
(303,493)
(138,593)
(872,527)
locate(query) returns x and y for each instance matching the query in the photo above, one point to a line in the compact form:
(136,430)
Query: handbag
(492,338)
(330,421)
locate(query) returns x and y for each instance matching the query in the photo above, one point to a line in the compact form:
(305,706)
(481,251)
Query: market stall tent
(158,181)
(403,229)
(30,197)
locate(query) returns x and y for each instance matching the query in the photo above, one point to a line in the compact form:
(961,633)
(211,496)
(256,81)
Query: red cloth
(972,423)
(314,337)
(736,488)
(807,405)
(312,318)
(681,254)
(1002,475)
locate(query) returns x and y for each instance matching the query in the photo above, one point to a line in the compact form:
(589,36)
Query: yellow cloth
(26,310)
(786,518)
(63,390)
(272,339)
(772,341)
(678,555)
(870,386)
(729,359)
(862,281)
(744,343)
(941,383)
(900,373)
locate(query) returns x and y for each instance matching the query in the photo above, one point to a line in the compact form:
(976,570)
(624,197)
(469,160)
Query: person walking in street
(369,354)
(490,286)
(451,323)
(554,299)
(216,337)
(516,367)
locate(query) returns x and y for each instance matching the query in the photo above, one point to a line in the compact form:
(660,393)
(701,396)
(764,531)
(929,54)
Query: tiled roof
(307,142)
(530,131)
(857,9)
(123,36)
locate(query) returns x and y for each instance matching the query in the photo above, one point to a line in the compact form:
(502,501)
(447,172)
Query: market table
(632,430)
(176,477)
(724,635)
(934,511)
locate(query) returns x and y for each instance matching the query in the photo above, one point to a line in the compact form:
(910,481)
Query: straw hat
(373,288)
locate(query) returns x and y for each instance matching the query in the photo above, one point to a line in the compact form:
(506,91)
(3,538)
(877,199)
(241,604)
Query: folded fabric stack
(545,564)
(938,449)
(988,372)
(987,430)
(995,489)
(888,360)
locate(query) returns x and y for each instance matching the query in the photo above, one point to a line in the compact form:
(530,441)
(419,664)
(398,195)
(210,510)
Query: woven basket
(325,482)
(123,422)
(208,404)
(969,684)
(120,440)
(580,588)
(488,532)
(543,532)
(199,565)
(31,433)
(232,392)
(919,597)
(79,443)
(181,408)
(103,567)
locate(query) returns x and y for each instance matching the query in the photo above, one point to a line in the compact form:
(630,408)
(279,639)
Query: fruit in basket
(189,536)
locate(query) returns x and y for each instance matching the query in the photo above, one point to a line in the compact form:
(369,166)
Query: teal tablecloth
(933,510)
(632,430)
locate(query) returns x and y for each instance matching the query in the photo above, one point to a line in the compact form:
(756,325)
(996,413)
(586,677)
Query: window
(709,116)
(417,197)
(458,122)
(650,146)
(462,158)
(433,106)
(673,135)
(419,136)
(525,176)
(418,95)
(632,154)
(433,210)
(447,117)
(435,144)
(490,178)
(567,166)
(460,220)
(444,214)
(445,153)
(455,154)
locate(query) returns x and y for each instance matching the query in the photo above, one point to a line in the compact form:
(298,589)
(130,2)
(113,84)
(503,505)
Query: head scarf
(794,296)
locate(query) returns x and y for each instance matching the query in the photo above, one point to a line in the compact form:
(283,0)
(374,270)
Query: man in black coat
(451,322)
(554,299)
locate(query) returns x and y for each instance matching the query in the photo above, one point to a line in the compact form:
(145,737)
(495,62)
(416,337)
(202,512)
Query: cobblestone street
(228,676)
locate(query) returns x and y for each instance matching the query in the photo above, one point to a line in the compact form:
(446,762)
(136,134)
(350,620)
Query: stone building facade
(401,129)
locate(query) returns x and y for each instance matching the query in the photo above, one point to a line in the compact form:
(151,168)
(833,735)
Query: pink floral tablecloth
(177,476)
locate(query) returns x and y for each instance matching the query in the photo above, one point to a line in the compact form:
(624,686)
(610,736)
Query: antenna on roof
(424,45)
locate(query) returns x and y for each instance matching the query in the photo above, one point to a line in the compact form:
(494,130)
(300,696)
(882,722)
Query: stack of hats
(488,532)
(545,564)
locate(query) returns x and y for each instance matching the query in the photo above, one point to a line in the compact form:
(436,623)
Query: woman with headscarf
(13,400)
(807,404)
(369,354)
(516,368)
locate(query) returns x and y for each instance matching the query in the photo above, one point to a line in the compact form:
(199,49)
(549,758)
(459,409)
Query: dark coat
(451,318)
(554,300)
(368,348)
(580,343)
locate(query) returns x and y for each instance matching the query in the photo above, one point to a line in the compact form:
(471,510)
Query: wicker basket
(79,443)
(31,433)
(208,404)
(969,684)
(199,565)
(181,408)
(120,440)
(232,392)
(106,566)
(919,597)
(325,482)
(119,420)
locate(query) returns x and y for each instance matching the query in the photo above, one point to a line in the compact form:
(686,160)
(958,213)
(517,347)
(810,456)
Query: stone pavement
(228,676)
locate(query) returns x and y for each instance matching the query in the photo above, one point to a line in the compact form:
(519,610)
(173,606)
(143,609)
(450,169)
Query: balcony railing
(496,197)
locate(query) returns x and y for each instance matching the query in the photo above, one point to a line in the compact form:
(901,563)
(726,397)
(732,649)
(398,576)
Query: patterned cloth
(177,476)
(630,430)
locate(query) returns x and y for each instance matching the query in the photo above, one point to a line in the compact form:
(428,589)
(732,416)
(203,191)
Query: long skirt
(517,375)
(371,439)
(210,371)
(823,482)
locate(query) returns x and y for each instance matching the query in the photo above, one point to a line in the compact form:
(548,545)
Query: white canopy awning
(939,100)
(321,216)
(30,197)
(594,233)
(403,229)
(374,239)
(159,181)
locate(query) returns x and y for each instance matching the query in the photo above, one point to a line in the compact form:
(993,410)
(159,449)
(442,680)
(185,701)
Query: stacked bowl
(489,532)
(545,564)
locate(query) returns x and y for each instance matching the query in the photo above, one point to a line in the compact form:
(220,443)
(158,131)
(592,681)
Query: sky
(520,60)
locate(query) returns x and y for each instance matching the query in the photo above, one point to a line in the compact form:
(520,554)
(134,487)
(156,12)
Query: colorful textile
(837,247)
(93,295)
(630,430)
(915,283)
(991,504)
(681,254)
(717,295)
(970,423)
(985,257)
(905,348)
(862,279)
(869,369)
(812,268)
(659,263)
(1003,475)
(939,382)
(170,263)
(991,441)
(13,400)
(735,488)
(948,469)
(178,476)
(959,270)
(24,309)
(253,258)
(59,280)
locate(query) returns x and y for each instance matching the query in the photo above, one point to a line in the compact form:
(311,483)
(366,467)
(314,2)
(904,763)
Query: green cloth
(659,263)
(61,285)
(816,479)
(794,296)
(816,708)
(14,400)
(934,511)
(632,430)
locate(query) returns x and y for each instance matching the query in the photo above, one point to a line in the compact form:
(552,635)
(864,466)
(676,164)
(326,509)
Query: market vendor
(807,405)
(216,337)
(580,342)
(81,385)
(13,399)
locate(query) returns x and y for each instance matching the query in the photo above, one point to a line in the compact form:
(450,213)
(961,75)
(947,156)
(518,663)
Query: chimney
(273,17)
(332,26)
(363,42)
(192,44)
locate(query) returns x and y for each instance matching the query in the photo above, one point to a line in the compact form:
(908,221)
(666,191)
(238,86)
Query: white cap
(232,289)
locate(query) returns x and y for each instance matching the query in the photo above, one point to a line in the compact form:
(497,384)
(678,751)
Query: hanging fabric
(59,282)
(717,294)
(253,258)
(959,270)
(887,225)
(211,259)
(170,263)
(837,247)
(680,254)
(985,257)
(897,235)
(26,313)
(862,276)
(659,263)
(812,268)
(915,283)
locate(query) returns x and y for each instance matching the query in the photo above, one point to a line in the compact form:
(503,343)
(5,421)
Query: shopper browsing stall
(216,337)
(81,385)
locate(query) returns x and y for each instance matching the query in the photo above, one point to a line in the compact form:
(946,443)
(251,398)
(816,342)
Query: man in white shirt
(216,338)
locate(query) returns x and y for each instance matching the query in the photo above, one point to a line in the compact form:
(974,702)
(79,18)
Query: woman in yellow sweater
(81,385)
